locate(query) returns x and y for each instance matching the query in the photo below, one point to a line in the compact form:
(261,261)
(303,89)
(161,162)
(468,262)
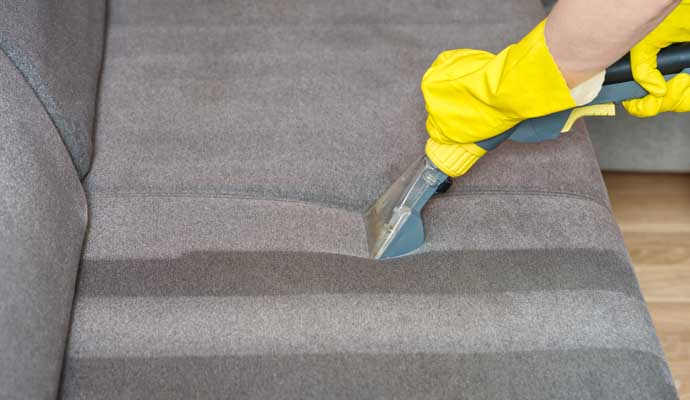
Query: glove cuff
(588,90)
(453,159)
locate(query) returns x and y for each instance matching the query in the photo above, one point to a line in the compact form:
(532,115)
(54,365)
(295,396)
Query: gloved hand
(473,95)
(663,96)
(677,98)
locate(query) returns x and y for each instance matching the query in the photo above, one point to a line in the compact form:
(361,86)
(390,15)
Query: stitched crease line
(238,196)
(329,22)
(529,192)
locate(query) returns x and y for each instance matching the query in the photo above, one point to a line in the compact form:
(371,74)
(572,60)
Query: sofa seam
(533,193)
(530,192)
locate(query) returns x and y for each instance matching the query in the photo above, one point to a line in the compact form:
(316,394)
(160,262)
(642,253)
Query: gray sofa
(224,152)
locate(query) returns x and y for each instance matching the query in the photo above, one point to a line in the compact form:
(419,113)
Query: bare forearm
(587,36)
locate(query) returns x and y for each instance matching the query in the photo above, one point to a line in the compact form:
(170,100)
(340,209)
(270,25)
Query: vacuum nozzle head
(394,223)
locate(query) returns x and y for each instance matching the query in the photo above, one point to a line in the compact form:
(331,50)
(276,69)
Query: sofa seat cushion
(237,146)
(194,297)
(214,297)
(315,101)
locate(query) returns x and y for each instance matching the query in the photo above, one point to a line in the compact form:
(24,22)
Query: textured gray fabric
(314,101)
(626,143)
(58,46)
(236,146)
(42,224)
(590,374)
(359,323)
(166,227)
(156,299)
(256,273)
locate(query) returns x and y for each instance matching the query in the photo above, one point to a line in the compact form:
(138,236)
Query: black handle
(671,60)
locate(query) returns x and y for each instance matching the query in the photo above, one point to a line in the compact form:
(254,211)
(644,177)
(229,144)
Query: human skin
(586,36)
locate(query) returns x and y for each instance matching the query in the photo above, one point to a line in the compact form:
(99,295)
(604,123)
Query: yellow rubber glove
(677,98)
(473,95)
(674,29)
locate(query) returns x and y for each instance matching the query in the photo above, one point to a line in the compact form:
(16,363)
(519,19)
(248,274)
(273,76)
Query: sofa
(181,194)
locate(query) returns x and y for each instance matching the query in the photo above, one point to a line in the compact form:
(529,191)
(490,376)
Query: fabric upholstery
(58,46)
(169,296)
(42,225)
(312,100)
(237,145)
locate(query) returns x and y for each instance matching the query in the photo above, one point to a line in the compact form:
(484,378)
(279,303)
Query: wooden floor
(653,211)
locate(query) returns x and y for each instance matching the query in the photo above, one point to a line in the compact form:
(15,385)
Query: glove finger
(676,99)
(644,68)
(645,107)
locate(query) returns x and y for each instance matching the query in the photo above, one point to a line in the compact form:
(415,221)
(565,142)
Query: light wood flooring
(653,211)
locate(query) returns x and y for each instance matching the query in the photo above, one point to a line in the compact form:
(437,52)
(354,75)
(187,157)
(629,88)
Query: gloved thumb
(676,99)
(645,71)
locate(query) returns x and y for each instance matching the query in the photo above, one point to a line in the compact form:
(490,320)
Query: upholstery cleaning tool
(394,224)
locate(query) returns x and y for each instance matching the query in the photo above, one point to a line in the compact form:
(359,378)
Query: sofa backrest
(57,46)
(42,223)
